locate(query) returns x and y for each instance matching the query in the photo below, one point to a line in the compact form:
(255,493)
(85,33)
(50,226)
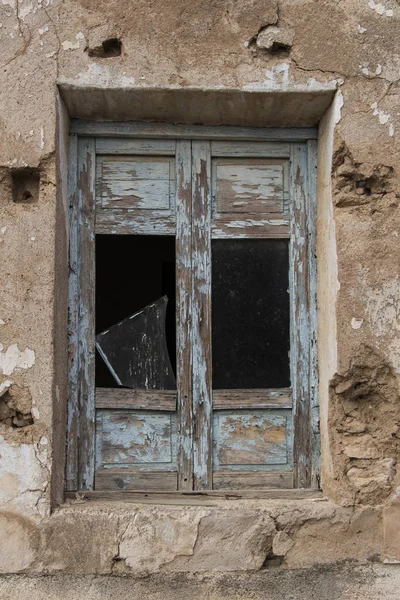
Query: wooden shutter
(201,438)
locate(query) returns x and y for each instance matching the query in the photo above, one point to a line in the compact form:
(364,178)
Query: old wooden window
(221,221)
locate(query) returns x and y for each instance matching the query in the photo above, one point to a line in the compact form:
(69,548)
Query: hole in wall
(14,416)
(107,49)
(25,185)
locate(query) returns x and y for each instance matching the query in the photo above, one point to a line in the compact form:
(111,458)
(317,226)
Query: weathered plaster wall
(248,45)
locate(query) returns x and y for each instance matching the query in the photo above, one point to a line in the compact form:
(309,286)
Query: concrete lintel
(286,106)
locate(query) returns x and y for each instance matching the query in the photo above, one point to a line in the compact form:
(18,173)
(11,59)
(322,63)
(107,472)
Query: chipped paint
(24,471)
(4,386)
(383,307)
(380,8)
(370,72)
(13,359)
(68,45)
(24,10)
(356,323)
(11,3)
(383,118)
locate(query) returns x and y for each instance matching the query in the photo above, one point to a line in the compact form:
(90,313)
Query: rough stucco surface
(336,583)
(248,45)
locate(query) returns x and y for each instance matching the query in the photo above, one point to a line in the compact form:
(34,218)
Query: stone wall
(251,45)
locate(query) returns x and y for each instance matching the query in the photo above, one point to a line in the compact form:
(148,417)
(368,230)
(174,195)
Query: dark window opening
(250,314)
(131,273)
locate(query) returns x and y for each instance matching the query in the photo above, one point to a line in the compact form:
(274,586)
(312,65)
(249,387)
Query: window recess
(193,273)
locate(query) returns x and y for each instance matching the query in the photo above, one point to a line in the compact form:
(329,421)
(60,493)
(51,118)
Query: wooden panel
(236,480)
(129,479)
(184,310)
(124,437)
(249,438)
(143,129)
(135,146)
(245,227)
(145,182)
(201,315)
(242,185)
(234,399)
(137,399)
(195,498)
(256,149)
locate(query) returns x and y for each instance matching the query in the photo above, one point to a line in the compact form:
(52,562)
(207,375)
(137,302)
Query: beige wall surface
(289,53)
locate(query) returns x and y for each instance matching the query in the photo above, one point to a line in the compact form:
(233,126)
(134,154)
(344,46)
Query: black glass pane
(250,314)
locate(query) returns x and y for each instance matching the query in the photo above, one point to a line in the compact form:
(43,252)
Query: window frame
(299,146)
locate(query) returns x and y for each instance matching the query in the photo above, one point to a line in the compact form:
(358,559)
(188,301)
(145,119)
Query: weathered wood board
(249,438)
(142,182)
(131,479)
(248,185)
(252,480)
(135,437)
(137,399)
(264,398)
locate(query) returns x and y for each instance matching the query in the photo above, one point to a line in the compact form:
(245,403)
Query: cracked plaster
(347,45)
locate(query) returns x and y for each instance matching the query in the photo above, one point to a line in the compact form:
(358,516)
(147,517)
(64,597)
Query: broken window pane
(131,272)
(250,313)
(135,349)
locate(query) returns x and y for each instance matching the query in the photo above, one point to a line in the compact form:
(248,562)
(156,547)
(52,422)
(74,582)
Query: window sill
(192,498)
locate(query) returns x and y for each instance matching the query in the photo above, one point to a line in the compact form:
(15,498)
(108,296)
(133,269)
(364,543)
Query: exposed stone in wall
(15,407)
(359,184)
(138,539)
(365,428)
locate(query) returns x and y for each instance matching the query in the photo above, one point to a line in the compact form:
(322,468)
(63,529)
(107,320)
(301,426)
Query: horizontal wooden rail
(241,399)
(193,132)
(114,398)
(124,398)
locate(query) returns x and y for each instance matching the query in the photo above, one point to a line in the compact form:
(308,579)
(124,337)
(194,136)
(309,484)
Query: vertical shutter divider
(201,314)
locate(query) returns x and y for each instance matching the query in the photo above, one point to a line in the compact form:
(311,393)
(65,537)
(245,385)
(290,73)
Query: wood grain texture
(127,222)
(251,149)
(184,312)
(256,480)
(149,130)
(249,438)
(135,146)
(201,315)
(71,476)
(299,282)
(235,399)
(191,498)
(135,437)
(225,227)
(250,185)
(128,479)
(164,400)
(86,343)
(136,182)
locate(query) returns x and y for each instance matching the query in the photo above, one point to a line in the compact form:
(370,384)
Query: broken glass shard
(135,349)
